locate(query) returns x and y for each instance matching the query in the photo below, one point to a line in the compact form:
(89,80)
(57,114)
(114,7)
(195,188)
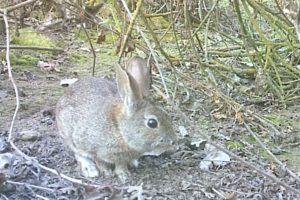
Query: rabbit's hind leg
(88,167)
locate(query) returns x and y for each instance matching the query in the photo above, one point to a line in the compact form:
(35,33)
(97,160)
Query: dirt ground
(170,176)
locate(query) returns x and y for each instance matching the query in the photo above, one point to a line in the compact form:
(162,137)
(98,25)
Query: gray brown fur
(104,122)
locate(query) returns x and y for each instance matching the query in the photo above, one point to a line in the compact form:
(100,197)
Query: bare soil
(170,176)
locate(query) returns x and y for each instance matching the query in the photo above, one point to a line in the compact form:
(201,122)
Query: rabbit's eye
(152,123)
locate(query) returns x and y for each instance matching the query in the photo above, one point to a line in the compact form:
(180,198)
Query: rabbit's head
(144,126)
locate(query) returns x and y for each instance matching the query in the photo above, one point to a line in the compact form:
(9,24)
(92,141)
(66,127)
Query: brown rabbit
(108,123)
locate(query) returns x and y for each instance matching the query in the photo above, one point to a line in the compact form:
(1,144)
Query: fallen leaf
(68,82)
(29,135)
(183,132)
(215,157)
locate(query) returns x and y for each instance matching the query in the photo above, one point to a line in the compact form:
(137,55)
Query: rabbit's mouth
(158,149)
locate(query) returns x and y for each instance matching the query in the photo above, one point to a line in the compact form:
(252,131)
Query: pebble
(29,135)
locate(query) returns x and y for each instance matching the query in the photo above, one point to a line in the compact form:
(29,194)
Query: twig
(188,26)
(207,16)
(297,21)
(150,48)
(41,197)
(155,40)
(283,166)
(265,122)
(5,197)
(32,48)
(130,27)
(158,14)
(296,144)
(30,185)
(256,169)
(92,47)
(220,193)
(10,76)
(12,8)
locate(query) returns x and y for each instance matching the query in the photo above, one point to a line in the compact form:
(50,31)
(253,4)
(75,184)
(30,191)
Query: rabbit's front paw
(88,167)
(122,173)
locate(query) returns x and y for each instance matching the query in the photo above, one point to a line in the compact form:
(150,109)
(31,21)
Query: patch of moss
(234,145)
(79,57)
(26,60)
(160,22)
(292,157)
(108,56)
(279,120)
(80,34)
(110,38)
(30,37)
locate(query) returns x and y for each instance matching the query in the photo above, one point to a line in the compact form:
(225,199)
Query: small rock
(30,135)
(48,112)
(47,120)
(29,76)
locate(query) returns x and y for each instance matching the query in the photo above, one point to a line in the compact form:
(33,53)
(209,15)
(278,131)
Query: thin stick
(5,197)
(256,169)
(12,8)
(31,186)
(150,48)
(41,197)
(92,47)
(33,48)
(283,166)
(129,30)
(10,77)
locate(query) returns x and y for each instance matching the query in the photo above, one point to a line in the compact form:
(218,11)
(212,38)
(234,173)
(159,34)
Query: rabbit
(108,123)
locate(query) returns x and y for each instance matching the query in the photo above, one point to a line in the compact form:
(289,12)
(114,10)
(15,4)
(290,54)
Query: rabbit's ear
(138,70)
(128,89)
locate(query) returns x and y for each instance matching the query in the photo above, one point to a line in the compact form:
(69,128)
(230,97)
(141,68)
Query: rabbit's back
(83,113)
(93,86)
(86,93)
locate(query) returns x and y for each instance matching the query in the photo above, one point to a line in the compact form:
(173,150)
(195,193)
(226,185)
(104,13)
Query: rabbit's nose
(167,140)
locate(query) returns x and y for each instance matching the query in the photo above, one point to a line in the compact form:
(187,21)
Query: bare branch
(12,8)
(33,48)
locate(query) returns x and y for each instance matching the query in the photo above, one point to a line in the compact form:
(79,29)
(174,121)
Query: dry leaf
(101,37)
(215,157)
